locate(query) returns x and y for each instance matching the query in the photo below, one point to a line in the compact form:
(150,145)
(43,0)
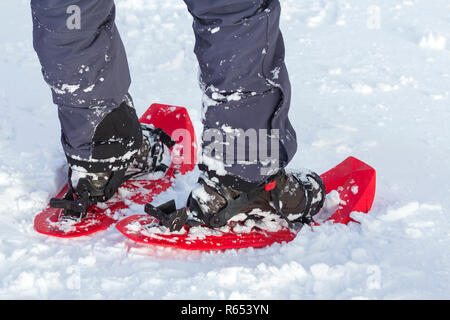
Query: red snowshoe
(175,122)
(352,180)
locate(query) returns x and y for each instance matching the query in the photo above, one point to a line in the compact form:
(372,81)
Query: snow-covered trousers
(246,87)
(84,62)
(247,93)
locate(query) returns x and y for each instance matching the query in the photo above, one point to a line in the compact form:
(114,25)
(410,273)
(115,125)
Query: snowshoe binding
(87,189)
(295,197)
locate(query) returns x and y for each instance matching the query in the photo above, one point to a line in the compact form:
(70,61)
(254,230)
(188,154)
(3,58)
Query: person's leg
(240,51)
(84,62)
(247,94)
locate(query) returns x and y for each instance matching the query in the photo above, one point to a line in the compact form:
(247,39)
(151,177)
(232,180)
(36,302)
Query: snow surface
(377,89)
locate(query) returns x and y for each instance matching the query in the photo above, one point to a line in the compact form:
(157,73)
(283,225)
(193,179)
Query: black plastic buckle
(168,215)
(72,208)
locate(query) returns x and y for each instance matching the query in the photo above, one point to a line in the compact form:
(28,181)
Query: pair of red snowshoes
(352,182)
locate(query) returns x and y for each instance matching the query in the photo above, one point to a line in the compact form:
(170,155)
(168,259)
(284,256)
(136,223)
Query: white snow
(385,77)
(215,30)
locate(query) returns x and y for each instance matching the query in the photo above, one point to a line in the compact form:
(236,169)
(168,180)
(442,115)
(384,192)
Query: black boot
(89,188)
(295,197)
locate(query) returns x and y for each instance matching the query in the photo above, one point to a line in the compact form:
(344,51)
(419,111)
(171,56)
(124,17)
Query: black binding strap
(234,206)
(168,215)
(174,219)
(79,206)
(164,137)
(308,213)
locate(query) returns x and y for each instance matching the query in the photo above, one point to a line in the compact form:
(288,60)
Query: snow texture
(369,80)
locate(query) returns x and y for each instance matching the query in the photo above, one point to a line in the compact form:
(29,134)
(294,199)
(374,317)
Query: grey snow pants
(246,87)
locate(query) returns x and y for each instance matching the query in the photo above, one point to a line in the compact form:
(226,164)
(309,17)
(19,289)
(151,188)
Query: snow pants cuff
(247,92)
(84,63)
(116,141)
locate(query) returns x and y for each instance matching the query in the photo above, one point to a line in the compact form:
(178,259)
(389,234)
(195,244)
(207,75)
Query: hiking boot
(295,197)
(89,188)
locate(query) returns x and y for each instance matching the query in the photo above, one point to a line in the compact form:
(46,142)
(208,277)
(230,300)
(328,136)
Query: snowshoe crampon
(352,183)
(172,120)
